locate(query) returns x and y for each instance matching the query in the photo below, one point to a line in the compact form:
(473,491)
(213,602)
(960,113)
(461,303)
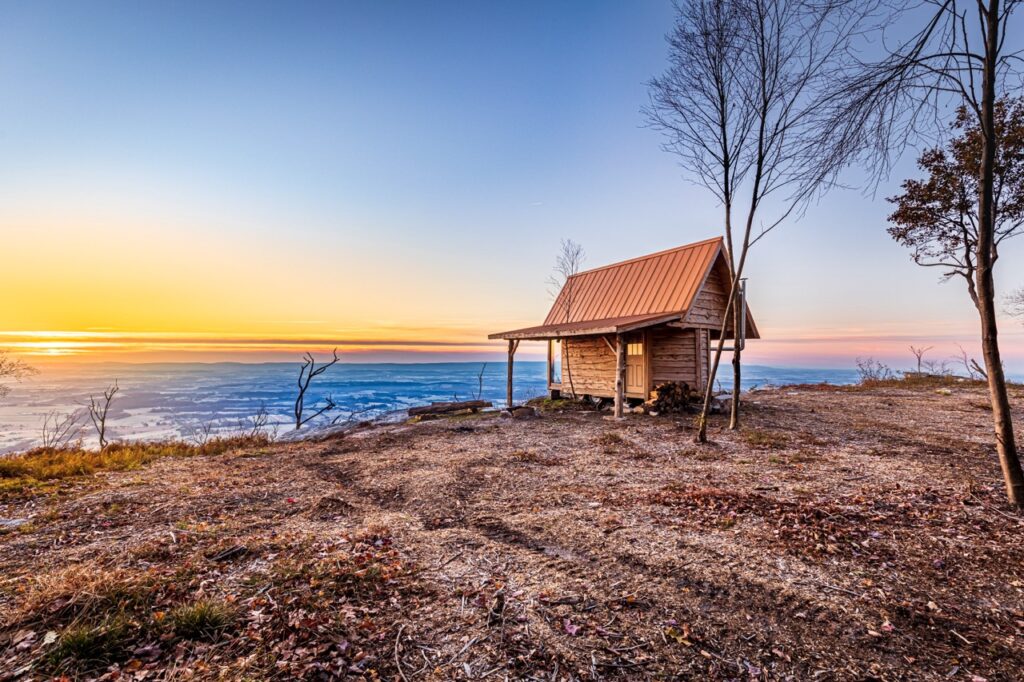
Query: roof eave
(540,335)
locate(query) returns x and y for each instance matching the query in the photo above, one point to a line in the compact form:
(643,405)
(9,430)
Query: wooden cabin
(620,330)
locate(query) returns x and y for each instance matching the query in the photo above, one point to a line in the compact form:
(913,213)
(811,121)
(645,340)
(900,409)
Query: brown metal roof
(618,325)
(660,283)
(635,293)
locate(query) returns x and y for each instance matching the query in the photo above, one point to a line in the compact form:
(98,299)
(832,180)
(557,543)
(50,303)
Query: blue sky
(386,167)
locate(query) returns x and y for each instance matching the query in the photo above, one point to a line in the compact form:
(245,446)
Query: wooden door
(636,376)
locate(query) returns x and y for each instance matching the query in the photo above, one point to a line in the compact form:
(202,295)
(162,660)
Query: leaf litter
(845,533)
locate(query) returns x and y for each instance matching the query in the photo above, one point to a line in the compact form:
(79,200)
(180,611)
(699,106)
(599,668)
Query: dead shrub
(610,441)
(765,440)
(532,457)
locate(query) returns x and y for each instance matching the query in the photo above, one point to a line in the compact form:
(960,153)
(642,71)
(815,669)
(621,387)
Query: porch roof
(611,325)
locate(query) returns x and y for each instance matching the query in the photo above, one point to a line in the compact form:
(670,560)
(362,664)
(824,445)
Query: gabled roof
(632,294)
(663,282)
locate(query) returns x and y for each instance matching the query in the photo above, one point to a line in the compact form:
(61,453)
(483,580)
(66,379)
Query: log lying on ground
(447,408)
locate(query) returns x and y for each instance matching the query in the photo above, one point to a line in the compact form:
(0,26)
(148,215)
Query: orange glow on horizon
(95,346)
(780,347)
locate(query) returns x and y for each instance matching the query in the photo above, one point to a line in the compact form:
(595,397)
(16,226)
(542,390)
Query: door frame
(645,365)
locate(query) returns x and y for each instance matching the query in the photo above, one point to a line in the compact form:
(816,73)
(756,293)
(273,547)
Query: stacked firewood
(671,396)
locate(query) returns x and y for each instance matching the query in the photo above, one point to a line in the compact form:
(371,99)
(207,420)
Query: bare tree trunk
(513,344)
(620,375)
(1006,446)
(734,412)
(702,419)
(566,369)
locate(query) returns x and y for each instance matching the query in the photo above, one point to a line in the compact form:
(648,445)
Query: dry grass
(533,457)
(841,535)
(765,439)
(27,471)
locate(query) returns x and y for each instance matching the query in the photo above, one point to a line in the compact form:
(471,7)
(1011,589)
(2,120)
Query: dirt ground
(843,534)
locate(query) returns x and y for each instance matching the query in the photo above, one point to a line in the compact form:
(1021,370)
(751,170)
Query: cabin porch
(623,366)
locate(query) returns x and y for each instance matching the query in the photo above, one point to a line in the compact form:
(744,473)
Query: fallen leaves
(815,557)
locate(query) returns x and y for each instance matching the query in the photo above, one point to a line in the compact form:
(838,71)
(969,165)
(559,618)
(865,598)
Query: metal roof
(628,295)
(663,282)
(617,325)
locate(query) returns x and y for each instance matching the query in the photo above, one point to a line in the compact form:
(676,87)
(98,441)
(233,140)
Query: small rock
(523,412)
(23,636)
(12,524)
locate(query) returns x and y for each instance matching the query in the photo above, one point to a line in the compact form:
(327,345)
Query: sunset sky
(243,181)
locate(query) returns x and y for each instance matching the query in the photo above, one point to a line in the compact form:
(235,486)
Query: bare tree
(937,368)
(740,106)
(59,430)
(1015,303)
(869,370)
(307,373)
(562,288)
(12,368)
(698,104)
(480,382)
(98,410)
(354,417)
(919,354)
(254,426)
(974,370)
(958,59)
(200,435)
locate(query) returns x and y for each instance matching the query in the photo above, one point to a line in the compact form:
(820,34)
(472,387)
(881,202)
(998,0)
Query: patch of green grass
(85,644)
(203,620)
(554,404)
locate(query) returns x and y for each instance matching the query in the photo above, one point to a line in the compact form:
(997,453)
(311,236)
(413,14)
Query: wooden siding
(709,305)
(591,366)
(673,356)
(704,349)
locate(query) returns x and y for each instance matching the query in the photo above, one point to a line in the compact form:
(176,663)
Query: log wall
(590,364)
(674,356)
(710,303)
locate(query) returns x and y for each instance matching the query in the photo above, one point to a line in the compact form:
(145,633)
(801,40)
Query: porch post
(513,344)
(620,375)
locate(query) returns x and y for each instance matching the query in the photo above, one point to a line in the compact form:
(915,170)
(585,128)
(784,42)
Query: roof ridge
(649,255)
